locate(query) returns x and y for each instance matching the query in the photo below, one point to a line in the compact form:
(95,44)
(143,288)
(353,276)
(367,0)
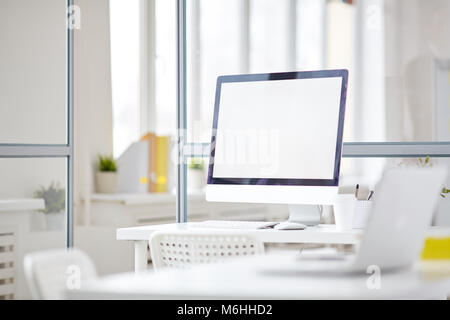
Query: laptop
(404,202)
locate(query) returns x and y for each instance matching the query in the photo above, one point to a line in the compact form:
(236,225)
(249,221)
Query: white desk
(267,277)
(318,234)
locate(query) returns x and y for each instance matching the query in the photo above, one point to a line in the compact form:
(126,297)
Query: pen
(357,191)
(370,195)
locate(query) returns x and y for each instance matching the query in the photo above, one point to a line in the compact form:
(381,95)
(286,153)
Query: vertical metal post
(292,34)
(181,111)
(324,37)
(195,73)
(244,42)
(70,131)
(147,57)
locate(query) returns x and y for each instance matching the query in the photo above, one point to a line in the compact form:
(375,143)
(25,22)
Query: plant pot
(196,179)
(106,182)
(38,221)
(55,221)
(441,216)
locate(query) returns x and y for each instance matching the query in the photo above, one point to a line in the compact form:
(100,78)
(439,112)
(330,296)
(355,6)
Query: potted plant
(106,176)
(427,162)
(196,178)
(55,205)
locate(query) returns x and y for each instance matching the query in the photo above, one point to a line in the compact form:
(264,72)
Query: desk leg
(140,256)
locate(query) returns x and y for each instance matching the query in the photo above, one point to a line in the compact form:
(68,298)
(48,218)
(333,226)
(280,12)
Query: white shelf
(8,205)
(140,199)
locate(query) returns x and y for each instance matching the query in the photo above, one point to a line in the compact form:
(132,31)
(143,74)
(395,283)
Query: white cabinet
(7,263)
(16,217)
(128,210)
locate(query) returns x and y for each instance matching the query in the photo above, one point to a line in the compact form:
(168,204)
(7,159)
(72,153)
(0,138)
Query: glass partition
(367,172)
(32,216)
(36,135)
(399,81)
(33,77)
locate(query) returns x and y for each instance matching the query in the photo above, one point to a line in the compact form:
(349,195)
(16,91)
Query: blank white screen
(285,129)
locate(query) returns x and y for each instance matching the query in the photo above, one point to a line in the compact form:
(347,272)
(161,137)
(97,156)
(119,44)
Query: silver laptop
(404,202)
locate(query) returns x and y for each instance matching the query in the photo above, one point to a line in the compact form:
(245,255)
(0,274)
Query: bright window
(125,47)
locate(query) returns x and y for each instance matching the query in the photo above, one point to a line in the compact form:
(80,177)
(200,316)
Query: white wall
(93,105)
(32,71)
(417,33)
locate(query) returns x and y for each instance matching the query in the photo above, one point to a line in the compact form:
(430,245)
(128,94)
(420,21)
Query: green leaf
(196,164)
(54,198)
(107,163)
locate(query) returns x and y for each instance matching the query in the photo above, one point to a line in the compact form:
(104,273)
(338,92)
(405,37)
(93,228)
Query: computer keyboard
(243,225)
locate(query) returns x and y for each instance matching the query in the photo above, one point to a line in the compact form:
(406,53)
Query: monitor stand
(306,214)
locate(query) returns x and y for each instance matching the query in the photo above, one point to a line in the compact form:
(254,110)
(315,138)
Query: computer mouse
(290,226)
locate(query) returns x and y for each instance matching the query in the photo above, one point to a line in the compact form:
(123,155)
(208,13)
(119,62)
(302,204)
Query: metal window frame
(350,149)
(292,34)
(147,54)
(244,41)
(361,149)
(181,192)
(18,150)
(70,133)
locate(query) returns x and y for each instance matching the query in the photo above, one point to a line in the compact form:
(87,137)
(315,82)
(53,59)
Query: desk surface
(267,277)
(319,234)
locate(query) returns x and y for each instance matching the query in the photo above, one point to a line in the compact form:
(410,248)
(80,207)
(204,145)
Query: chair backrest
(182,249)
(50,273)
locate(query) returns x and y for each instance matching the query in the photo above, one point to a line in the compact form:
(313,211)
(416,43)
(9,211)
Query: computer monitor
(277,138)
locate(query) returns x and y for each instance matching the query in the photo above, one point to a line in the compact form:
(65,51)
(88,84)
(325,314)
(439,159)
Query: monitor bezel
(342,73)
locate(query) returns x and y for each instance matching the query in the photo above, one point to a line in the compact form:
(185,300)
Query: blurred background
(124,125)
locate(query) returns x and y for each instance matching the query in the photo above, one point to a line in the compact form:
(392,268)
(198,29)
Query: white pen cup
(361,213)
(344,210)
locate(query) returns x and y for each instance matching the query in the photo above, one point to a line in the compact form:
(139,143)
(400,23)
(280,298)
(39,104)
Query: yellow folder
(161,163)
(436,248)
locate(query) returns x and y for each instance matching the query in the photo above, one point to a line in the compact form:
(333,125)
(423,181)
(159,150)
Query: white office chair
(182,249)
(50,273)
